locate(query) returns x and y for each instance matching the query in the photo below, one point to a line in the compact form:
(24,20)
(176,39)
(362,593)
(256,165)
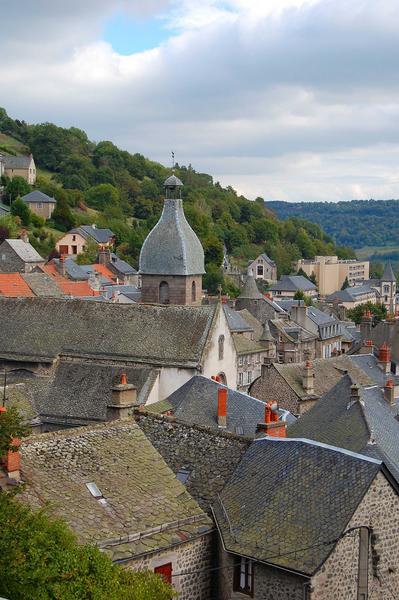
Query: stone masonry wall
(10,261)
(193,558)
(210,456)
(272,386)
(338,577)
(179,288)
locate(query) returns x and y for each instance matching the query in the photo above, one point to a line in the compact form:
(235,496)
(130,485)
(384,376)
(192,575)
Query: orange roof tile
(51,270)
(76,288)
(104,271)
(13,285)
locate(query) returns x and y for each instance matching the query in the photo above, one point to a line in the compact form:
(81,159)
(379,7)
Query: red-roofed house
(13,285)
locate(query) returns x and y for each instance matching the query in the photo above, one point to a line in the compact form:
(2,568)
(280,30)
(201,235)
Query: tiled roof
(76,289)
(366,426)
(139,491)
(250,289)
(13,285)
(388,274)
(157,335)
(292,283)
(288,497)
(42,284)
(24,250)
(102,236)
(104,271)
(369,364)
(244,345)
(37,196)
(235,321)
(17,162)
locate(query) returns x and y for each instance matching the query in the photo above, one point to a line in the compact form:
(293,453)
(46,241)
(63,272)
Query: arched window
(193,292)
(221,347)
(164,292)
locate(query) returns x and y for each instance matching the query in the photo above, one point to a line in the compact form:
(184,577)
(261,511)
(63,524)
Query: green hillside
(98,182)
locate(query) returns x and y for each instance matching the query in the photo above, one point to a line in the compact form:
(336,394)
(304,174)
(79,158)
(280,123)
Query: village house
(263,268)
(353,296)
(19,256)
(260,306)
(145,521)
(20,166)
(40,204)
(76,240)
(289,285)
(305,535)
(330,272)
(326,327)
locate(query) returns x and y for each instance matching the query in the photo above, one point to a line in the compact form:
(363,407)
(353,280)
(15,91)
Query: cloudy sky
(287,99)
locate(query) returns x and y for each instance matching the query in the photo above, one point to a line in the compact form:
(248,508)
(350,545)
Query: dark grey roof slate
(236,322)
(17,162)
(292,283)
(388,274)
(24,250)
(46,327)
(74,271)
(319,317)
(287,495)
(350,294)
(172,247)
(172,181)
(121,265)
(102,236)
(42,284)
(250,289)
(369,364)
(37,196)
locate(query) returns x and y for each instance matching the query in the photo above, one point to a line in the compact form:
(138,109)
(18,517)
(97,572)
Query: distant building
(388,289)
(331,273)
(40,204)
(19,256)
(326,327)
(263,268)
(20,166)
(76,240)
(353,296)
(289,285)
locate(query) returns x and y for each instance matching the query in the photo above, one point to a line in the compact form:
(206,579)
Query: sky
(291,100)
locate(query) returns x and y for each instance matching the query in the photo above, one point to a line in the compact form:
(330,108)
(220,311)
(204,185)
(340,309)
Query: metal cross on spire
(173,160)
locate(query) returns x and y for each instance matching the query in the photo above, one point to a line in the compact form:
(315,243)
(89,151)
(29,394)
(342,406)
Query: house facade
(331,272)
(289,285)
(263,268)
(75,241)
(20,166)
(40,204)
(19,256)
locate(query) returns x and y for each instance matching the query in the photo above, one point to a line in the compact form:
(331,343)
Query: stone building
(20,166)
(388,289)
(172,258)
(353,296)
(326,327)
(40,204)
(263,268)
(289,285)
(148,520)
(19,256)
(251,299)
(305,535)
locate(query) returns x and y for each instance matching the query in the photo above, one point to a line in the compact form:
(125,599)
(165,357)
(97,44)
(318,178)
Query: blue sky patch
(128,36)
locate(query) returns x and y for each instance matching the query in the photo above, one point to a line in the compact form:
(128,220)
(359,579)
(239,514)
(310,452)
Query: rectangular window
(362,589)
(40,205)
(260,270)
(244,576)
(240,360)
(165,571)
(240,378)
(249,376)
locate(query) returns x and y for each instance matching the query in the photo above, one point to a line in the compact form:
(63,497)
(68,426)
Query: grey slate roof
(350,294)
(101,236)
(37,196)
(73,270)
(4,210)
(319,317)
(196,402)
(388,274)
(45,327)
(127,290)
(292,283)
(250,289)
(268,259)
(121,265)
(42,284)
(172,181)
(24,250)
(287,497)
(172,247)
(368,426)
(79,391)
(235,320)
(17,162)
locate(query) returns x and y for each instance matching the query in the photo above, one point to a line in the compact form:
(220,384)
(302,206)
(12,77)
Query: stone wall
(11,263)
(179,289)
(338,576)
(193,558)
(209,455)
(272,386)
(259,308)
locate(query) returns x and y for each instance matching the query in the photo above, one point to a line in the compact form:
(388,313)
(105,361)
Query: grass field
(367,251)
(8,142)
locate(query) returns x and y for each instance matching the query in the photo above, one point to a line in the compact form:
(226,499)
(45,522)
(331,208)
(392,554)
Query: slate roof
(4,210)
(368,427)
(268,259)
(80,391)
(13,285)
(288,497)
(17,162)
(121,265)
(24,250)
(368,363)
(235,320)
(37,196)
(172,247)
(42,284)
(45,327)
(250,289)
(253,322)
(388,274)
(328,371)
(196,402)
(350,294)
(73,270)
(127,290)
(292,283)
(243,345)
(138,495)
(101,236)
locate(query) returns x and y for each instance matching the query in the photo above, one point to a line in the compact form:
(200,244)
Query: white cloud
(287,99)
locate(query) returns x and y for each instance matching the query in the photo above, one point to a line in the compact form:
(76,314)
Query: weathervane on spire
(173,160)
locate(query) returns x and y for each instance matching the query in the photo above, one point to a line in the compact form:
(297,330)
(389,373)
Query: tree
(20,209)
(345,284)
(312,278)
(9,228)
(62,214)
(102,195)
(89,256)
(17,186)
(378,311)
(299,295)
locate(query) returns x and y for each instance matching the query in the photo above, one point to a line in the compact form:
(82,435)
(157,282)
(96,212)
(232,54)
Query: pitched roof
(311,493)
(13,285)
(388,274)
(235,320)
(37,196)
(24,250)
(319,317)
(79,391)
(76,289)
(292,283)
(121,265)
(73,270)
(243,345)
(172,247)
(250,289)
(17,162)
(196,402)
(253,322)
(101,236)
(268,259)
(136,495)
(42,284)
(367,426)
(46,327)
(368,363)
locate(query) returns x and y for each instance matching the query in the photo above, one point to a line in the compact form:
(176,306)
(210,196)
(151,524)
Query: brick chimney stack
(384,358)
(367,347)
(11,463)
(365,325)
(62,265)
(272,425)
(222,408)
(308,378)
(389,392)
(124,398)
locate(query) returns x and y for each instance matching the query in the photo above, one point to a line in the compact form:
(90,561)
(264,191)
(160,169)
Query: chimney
(24,236)
(272,425)
(365,325)
(124,398)
(267,363)
(12,461)
(62,266)
(367,347)
(104,255)
(389,392)
(308,378)
(298,313)
(222,408)
(355,394)
(384,358)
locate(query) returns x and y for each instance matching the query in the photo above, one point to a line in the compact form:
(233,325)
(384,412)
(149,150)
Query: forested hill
(355,223)
(98,182)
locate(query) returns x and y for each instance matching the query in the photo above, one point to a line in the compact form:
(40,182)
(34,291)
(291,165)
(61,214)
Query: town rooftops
(17,162)
(244,345)
(14,285)
(122,266)
(235,320)
(293,283)
(101,236)
(42,328)
(366,425)
(112,488)
(290,499)
(250,289)
(350,294)
(37,196)
(24,250)
(42,284)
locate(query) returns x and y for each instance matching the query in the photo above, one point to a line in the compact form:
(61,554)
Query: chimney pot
(222,407)
(124,398)
(308,378)
(389,392)
(272,425)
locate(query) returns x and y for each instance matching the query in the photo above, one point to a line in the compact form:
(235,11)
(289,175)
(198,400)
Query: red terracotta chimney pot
(123,379)
(222,402)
